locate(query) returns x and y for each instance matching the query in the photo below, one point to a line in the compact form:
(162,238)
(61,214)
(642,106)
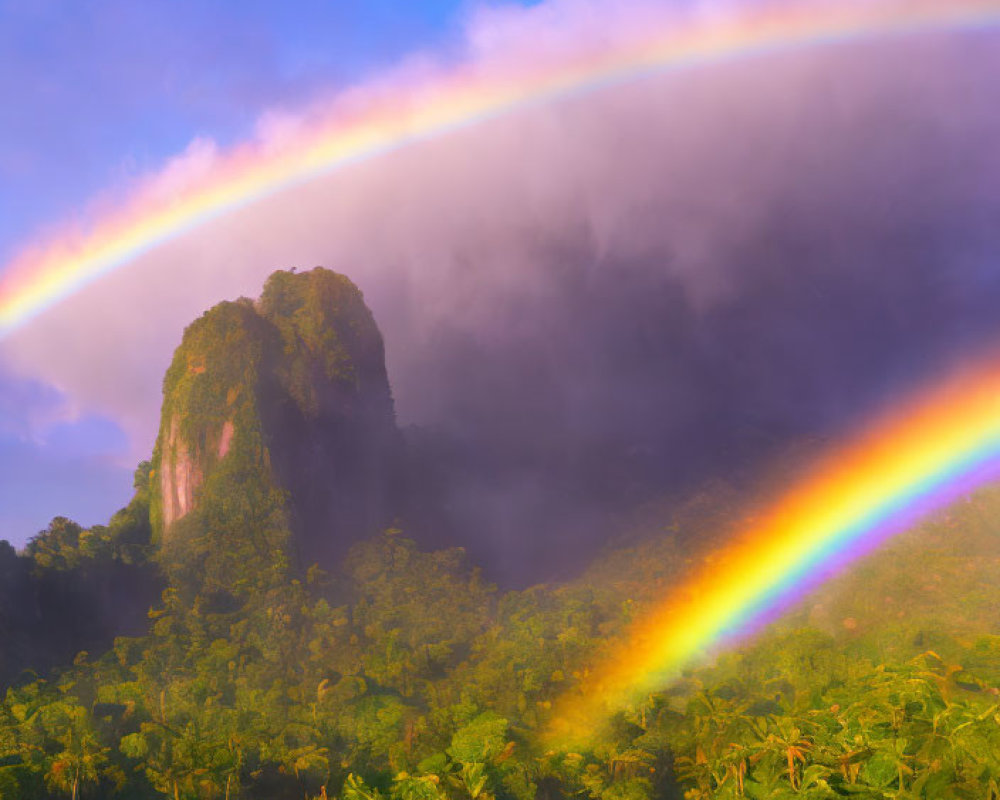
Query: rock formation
(277,432)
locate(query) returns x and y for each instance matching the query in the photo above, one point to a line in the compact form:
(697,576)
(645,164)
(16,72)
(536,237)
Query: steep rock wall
(277,432)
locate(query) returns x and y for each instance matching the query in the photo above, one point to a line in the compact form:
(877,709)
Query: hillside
(302,647)
(405,674)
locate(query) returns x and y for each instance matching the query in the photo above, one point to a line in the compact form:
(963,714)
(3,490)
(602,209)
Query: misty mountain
(278,424)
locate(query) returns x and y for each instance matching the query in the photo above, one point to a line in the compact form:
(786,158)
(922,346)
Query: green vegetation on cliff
(216,507)
(330,341)
(261,402)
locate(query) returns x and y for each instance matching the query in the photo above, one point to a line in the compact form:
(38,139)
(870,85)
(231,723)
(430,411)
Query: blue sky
(94,94)
(98,91)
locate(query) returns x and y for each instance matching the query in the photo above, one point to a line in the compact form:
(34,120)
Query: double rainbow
(927,453)
(54,270)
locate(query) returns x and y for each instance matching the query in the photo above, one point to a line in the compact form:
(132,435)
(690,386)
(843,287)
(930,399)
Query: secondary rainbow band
(924,455)
(50,273)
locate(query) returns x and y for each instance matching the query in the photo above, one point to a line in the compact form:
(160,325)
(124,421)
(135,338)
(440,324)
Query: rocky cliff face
(277,432)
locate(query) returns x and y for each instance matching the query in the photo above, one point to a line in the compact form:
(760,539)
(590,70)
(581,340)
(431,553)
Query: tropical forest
(273,616)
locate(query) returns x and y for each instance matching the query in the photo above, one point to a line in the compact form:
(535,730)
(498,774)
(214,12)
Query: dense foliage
(193,648)
(405,675)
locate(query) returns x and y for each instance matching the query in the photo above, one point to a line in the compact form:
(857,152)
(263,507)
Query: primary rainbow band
(52,272)
(925,454)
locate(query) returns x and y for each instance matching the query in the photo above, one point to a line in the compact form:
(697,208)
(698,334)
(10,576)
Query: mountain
(278,444)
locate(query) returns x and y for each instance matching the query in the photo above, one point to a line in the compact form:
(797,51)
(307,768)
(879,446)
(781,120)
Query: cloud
(621,290)
(676,169)
(53,461)
(60,477)
(27,406)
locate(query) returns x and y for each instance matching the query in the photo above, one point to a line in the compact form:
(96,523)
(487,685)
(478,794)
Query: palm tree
(786,739)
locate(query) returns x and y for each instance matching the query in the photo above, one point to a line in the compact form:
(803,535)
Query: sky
(632,289)
(95,95)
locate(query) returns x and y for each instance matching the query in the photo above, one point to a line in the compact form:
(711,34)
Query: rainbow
(53,270)
(930,451)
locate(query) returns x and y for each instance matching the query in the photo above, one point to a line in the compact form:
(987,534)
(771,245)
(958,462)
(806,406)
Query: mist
(619,296)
